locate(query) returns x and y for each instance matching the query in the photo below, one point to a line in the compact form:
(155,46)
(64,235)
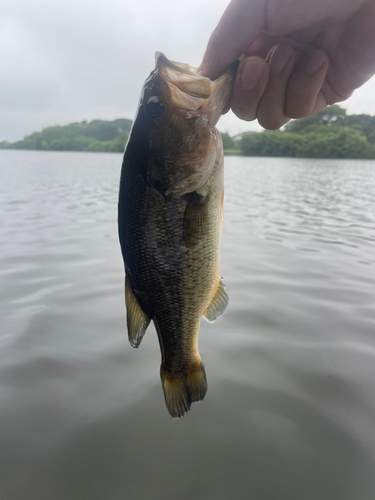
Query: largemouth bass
(170,215)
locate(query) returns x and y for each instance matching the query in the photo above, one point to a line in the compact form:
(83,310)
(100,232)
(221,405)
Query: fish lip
(185,80)
(183,77)
(161,58)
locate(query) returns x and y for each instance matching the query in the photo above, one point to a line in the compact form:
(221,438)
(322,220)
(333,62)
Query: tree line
(331,133)
(97,135)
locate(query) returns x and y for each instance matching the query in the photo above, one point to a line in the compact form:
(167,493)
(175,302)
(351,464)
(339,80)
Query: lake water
(290,410)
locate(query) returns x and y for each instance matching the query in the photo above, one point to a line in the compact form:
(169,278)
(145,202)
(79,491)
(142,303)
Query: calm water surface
(290,411)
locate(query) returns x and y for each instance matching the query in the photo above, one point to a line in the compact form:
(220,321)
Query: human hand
(296,56)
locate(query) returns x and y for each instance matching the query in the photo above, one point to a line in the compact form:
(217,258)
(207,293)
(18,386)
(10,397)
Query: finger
(239,26)
(304,96)
(271,113)
(331,94)
(251,80)
(226,108)
(264,43)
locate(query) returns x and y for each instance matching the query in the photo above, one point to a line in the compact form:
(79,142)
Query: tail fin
(180,390)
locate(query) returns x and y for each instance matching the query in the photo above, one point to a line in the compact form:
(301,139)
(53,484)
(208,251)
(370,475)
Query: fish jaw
(192,93)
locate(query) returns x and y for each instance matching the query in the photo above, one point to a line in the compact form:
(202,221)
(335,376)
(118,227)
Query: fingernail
(314,62)
(251,74)
(280,58)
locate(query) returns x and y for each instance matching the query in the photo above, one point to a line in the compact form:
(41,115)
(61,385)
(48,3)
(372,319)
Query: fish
(170,214)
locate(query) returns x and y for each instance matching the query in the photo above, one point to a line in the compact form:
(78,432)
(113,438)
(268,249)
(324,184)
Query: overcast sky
(72,60)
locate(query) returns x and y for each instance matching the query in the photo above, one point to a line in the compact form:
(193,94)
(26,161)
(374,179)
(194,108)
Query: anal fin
(219,303)
(137,320)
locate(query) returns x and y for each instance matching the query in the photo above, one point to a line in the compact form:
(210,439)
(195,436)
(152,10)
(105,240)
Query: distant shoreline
(328,134)
(226,154)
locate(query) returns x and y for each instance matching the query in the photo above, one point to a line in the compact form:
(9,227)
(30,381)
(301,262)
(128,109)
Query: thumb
(241,24)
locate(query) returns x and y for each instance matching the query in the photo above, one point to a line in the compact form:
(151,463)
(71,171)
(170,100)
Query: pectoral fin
(195,218)
(218,303)
(137,320)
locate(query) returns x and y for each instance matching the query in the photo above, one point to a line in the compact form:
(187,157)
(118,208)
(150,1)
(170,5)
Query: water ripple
(290,365)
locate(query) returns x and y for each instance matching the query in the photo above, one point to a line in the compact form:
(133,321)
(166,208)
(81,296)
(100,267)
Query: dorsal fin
(219,303)
(137,321)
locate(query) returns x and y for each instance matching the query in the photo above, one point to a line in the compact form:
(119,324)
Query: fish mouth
(192,91)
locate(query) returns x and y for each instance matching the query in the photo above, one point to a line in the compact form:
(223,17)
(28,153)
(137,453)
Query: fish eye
(154,108)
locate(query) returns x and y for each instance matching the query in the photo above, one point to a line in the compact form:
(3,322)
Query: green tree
(118,144)
(276,143)
(98,135)
(315,141)
(332,115)
(228,142)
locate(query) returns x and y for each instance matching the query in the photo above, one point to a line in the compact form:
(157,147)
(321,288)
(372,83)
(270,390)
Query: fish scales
(170,212)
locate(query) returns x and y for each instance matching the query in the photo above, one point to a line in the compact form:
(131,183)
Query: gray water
(290,410)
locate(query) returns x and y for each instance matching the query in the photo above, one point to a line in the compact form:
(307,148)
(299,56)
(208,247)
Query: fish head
(179,108)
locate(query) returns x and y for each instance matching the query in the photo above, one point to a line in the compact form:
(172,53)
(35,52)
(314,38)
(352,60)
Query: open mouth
(189,89)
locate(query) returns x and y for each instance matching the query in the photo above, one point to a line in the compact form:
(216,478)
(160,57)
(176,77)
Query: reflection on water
(290,411)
